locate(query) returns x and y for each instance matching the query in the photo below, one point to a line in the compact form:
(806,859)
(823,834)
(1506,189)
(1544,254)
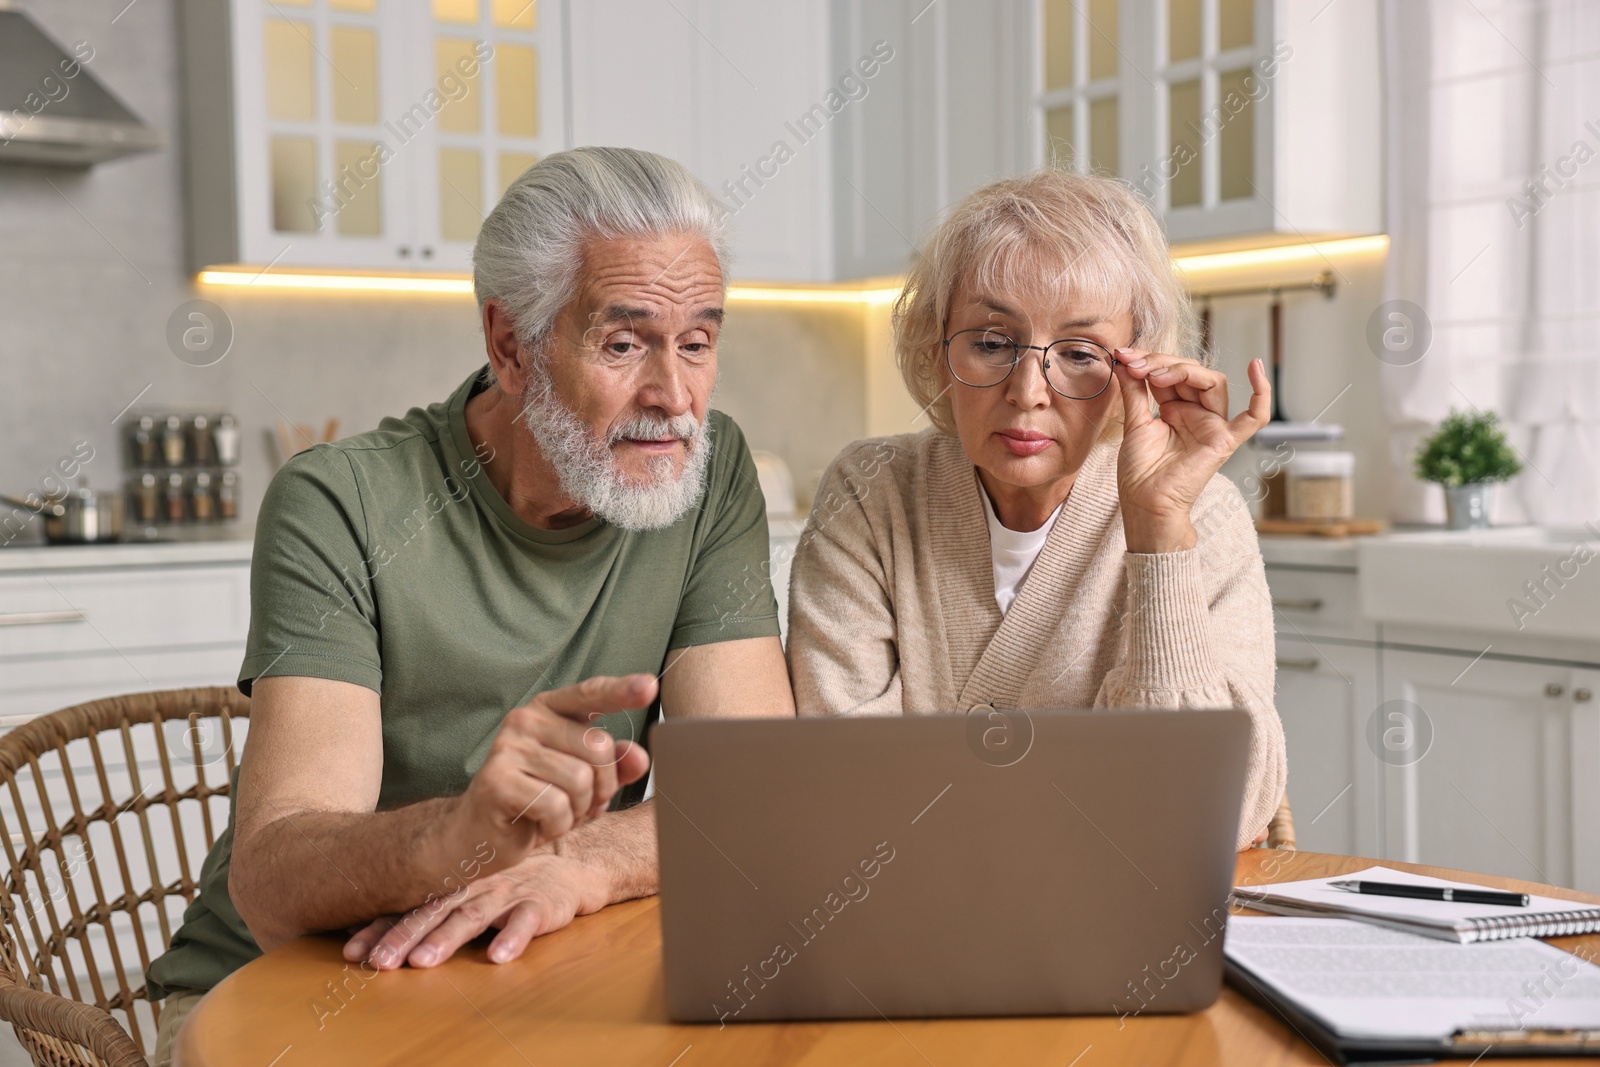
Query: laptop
(998,863)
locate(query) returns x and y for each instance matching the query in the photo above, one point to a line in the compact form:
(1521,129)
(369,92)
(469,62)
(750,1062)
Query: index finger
(1194,382)
(600,695)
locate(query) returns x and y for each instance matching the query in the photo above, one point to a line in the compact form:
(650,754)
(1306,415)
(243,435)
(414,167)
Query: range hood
(53,112)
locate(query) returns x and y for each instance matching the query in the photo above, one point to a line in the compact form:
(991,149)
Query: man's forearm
(316,870)
(621,848)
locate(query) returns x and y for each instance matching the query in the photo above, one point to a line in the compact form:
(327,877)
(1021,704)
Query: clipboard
(1464,1044)
(1360,993)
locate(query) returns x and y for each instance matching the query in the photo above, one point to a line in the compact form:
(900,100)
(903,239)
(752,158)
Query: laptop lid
(1008,863)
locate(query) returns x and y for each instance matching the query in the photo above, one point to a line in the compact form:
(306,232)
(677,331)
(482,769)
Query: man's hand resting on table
(549,769)
(541,894)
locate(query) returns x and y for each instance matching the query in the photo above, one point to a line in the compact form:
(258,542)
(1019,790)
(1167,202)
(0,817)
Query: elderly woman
(1051,541)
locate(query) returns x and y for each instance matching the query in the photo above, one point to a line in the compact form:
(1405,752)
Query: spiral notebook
(1314,898)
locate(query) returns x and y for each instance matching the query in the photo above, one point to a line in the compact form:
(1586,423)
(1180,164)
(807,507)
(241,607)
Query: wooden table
(592,993)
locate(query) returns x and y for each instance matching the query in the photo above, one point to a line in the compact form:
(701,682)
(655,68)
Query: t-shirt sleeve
(728,593)
(312,611)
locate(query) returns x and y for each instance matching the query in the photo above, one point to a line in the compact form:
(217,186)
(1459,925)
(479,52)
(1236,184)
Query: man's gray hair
(530,249)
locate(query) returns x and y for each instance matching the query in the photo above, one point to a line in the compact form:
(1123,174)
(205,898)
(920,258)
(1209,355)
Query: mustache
(642,424)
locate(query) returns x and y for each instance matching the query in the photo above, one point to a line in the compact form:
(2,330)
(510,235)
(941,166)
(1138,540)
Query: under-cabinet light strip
(461,285)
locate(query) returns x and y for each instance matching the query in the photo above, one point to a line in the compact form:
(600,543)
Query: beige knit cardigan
(892,609)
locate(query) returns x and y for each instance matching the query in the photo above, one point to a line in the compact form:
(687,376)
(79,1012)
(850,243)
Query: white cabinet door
(948,113)
(1507,771)
(361,134)
(834,130)
(314,87)
(737,92)
(497,66)
(1325,694)
(1585,764)
(633,88)
(1231,117)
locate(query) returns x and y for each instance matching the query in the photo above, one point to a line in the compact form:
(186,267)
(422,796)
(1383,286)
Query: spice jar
(225,436)
(202,507)
(176,505)
(143,438)
(200,450)
(172,445)
(1322,486)
(147,498)
(228,495)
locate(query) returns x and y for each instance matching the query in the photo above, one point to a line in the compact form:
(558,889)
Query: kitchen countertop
(233,544)
(1301,550)
(218,544)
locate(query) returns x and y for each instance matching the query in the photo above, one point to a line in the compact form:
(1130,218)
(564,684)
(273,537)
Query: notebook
(1314,898)
(1359,992)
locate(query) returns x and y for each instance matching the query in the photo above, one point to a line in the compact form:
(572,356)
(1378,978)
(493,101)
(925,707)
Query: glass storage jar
(1322,486)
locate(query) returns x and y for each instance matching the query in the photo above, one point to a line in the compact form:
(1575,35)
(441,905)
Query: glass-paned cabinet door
(494,65)
(318,180)
(1212,91)
(1079,95)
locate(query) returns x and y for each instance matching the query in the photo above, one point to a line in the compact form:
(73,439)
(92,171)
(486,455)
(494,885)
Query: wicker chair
(109,808)
(1280,831)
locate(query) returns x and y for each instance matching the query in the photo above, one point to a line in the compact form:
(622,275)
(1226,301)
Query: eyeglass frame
(1044,366)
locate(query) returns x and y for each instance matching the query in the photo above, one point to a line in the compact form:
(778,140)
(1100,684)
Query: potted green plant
(1466,455)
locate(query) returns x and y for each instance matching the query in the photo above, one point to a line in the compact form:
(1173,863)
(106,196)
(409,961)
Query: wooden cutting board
(1335,528)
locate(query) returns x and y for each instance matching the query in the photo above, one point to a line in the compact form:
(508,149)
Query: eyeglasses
(1077,368)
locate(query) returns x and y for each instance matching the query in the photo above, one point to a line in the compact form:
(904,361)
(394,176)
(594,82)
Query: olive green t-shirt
(390,561)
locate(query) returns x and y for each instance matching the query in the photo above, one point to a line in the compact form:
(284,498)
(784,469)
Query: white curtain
(1493,205)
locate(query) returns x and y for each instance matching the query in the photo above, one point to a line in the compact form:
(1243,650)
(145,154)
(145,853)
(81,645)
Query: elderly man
(459,619)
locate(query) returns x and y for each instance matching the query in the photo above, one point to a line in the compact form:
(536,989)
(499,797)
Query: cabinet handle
(1554,689)
(1310,663)
(405,251)
(39,618)
(1581,695)
(427,252)
(1310,603)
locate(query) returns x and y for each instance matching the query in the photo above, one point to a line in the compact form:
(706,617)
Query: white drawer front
(140,607)
(1312,603)
(34,687)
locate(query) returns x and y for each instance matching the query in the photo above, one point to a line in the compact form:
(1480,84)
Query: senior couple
(449,703)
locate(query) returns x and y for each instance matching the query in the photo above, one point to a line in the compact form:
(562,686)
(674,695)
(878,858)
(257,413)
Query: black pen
(1434,892)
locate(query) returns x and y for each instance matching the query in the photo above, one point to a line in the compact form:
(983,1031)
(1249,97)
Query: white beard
(588,470)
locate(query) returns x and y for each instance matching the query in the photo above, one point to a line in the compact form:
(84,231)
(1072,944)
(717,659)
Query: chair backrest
(109,809)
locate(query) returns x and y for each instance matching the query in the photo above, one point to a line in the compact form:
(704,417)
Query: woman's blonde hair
(1091,236)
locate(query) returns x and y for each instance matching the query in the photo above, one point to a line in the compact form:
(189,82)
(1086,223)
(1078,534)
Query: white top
(1012,551)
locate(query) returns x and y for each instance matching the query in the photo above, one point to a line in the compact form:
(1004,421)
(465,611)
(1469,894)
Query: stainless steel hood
(53,111)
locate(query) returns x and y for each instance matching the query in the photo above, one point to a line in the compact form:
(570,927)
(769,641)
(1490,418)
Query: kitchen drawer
(1317,603)
(132,608)
(33,687)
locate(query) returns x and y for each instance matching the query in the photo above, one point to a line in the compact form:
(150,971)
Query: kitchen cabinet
(1422,745)
(1237,119)
(1326,691)
(833,130)
(729,93)
(342,133)
(1510,782)
(360,134)
(951,114)
(70,633)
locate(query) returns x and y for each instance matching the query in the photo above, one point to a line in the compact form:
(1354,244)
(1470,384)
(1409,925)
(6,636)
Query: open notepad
(1315,898)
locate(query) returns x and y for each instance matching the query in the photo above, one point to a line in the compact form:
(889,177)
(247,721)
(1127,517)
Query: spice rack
(182,468)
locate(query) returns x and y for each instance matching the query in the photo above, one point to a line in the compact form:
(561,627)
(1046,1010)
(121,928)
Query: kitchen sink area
(1528,580)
